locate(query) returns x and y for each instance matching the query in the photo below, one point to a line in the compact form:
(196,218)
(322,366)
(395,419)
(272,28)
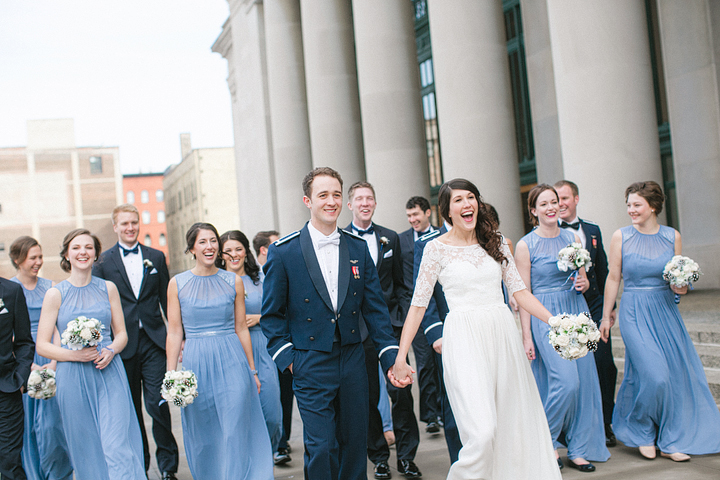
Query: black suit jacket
(390,270)
(437,309)
(17,348)
(599,271)
(407,249)
(152,297)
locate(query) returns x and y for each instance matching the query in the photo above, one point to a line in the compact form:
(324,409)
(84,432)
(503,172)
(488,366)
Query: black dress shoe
(408,469)
(588,467)
(432,427)
(610,439)
(281,457)
(561,465)
(169,476)
(382,470)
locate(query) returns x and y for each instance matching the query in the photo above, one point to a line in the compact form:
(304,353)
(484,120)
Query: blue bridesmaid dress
(267,370)
(45,453)
(223,429)
(99,419)
(569,389)
(664,398)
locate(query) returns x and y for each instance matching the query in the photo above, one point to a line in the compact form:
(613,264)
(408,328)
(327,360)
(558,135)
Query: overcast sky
(132,74)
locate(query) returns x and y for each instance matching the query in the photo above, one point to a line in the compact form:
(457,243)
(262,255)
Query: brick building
(145,191)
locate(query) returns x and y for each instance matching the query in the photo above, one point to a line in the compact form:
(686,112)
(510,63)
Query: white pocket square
(153,271)
(4,310)
(388,254)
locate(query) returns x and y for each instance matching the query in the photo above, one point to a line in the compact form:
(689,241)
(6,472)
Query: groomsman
(591,238)
(261,243)
(141,276)
(384,247)
(17,350)
(319,281)
(418,214)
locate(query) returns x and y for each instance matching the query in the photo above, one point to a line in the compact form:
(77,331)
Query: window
(130,197)
(146,217)
(159,196)
(144,196)
(95,165)
(148,241)
(162,241)
(161,216)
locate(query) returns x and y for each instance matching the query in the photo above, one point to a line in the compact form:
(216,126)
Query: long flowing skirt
(270,386)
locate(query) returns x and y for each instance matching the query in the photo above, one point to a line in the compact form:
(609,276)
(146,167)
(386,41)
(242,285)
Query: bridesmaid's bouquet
(573,257)
(82,332)
(573,336)
(41,384)
(681,271)
(179,387)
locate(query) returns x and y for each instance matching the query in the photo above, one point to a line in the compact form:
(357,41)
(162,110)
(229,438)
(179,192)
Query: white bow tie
(332,239)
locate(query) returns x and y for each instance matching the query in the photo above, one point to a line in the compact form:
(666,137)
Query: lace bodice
(469,275)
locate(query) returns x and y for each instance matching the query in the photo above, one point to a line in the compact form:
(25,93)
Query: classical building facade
(145,191)
(51,186)
(409,93)
(201,188)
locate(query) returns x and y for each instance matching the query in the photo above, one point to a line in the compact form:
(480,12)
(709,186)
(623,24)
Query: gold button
(309,319)
(354,312)
(332,320)
(312,338)
(338,315)
(354,293)
(352,331)
(307,300)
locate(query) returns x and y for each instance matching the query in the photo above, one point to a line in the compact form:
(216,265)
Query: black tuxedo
(144,355)
(17,350)
(604,362)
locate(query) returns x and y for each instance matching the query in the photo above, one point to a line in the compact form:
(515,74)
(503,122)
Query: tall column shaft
(392,120)
(474,103)
(288,110)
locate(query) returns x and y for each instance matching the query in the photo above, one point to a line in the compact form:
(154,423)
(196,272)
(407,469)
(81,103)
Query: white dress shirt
(580,233)
(328,257)
(133,267)
(371,240)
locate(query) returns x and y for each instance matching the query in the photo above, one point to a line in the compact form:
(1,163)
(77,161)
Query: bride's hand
(400,374)
(529,348)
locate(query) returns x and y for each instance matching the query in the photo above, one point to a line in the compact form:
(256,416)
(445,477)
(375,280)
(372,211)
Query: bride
(489,383)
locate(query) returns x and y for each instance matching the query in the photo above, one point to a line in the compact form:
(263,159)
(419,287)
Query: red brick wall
(151,183)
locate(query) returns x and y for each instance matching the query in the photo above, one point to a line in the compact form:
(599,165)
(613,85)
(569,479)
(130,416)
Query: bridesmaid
(92,390)
(45,452)
(569,389)
(224,430)
(238,259)
(664,399)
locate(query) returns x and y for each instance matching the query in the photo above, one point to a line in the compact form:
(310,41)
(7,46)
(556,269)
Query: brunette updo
(252,269)
(72,235)
(650,191)
(533,198)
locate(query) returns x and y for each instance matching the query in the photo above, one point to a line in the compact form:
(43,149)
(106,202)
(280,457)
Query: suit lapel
(313,267)
(146,271)
(115,255)
(380,246)
(343,271)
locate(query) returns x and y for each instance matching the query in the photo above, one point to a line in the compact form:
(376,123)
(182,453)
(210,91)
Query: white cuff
(436,324)
(386,349)
(281,349)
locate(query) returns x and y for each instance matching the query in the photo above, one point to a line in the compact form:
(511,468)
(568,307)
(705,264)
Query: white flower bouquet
(573,336)
(41,384)
(681,271)
(82,332)
(573,257)
(179,387)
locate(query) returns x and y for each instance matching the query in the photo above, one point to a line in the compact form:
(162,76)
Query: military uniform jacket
(297,312)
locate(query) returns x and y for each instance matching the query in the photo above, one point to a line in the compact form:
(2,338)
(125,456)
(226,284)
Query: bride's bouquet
(573,257)
(681,271)
(82,332)
(179,387)
(573,336)
(41,384)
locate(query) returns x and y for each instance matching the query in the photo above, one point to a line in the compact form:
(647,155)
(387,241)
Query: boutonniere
(148,264)
(384,240)
(594,241)
(356,272)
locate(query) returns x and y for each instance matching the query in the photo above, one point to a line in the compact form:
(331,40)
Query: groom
(318,281)
(141,276)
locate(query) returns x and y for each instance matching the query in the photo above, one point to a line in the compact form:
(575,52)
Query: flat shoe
(647,452)
(561,465)
(587,467)
(676,457)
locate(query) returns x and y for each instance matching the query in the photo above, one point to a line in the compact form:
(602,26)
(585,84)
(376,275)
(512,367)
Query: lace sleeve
(427,275)
(511,276)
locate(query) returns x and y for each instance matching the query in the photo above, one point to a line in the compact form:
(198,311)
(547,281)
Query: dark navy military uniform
(324,346)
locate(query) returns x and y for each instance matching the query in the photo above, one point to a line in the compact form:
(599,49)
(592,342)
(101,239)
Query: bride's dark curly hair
(486,227)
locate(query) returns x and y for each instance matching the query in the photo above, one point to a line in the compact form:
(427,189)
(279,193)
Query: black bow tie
(574,226)
(128,251)
(361,232)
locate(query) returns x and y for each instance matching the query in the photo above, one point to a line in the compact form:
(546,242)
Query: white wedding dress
(490,386)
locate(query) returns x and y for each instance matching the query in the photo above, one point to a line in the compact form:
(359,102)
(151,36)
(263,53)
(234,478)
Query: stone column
(288,110)
(692,76)
(392,119)
(604,97)
(332,90)
(474,103)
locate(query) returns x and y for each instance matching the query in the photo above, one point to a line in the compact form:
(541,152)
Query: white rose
(594,335)
(562,340)
(554,321)
(582,338)
(86,334)
(567,323)
(573,352)
(583,351)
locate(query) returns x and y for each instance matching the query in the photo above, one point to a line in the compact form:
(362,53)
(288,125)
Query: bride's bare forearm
(532,305)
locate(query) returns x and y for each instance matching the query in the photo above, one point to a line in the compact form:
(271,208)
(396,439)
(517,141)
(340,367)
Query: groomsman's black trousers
(11,436)
(286,400)
(145,372)
(427,375)
(604,362)
(452,436)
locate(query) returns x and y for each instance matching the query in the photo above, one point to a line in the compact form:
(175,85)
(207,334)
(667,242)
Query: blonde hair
(125,207)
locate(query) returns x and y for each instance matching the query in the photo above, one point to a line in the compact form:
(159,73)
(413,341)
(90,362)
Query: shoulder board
(589,222)
(429,235)
(352,234)
(287,237)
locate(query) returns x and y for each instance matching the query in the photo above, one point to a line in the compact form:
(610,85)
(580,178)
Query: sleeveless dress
(489,384)
(223,429)
(569,389)
(664,398)
(99,419)
(264,364)
(44,453)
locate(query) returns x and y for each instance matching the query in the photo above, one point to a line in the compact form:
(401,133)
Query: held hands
(104,359)
(529,348)
(87,354)
(400,374)
(679,290)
